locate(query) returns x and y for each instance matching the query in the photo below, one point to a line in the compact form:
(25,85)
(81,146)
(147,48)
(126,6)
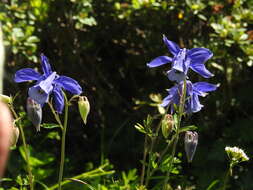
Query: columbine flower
(236,154)
(182,60)
(193,91)
(47,83)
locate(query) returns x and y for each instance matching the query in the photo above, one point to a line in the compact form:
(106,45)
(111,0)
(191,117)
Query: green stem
(227,176)
(56,115)
(149,161)
(63,138)
(153,141)
(27,156)
(144,159)
(180,114)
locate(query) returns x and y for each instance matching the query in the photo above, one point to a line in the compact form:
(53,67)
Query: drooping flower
(190,144)
(193,91)
(182,60)
(34,113)
(47,83)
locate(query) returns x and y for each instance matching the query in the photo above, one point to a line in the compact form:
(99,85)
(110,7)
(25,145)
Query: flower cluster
(181,62)
(47,83)
(236,154)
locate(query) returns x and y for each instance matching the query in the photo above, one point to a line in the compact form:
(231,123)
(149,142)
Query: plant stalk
(27,156)
(227,176)
(180,114)
(63,138)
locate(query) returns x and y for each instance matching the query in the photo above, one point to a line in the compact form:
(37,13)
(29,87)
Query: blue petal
(166,101)
(175,75)
(69,84)
(199,54)
(46,67)
(159,61)
(195,104)
(58,99)
(173,47)
(189,88)
(26,74)
(38,95)
(41,91)
(198,57)
(201,69)
(201,87)
(180,62)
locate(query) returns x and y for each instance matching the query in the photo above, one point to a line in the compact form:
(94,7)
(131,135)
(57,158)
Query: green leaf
(33,39)
(140,128)
(212,184)
(49,125)
(188,128)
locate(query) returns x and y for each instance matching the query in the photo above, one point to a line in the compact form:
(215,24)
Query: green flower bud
(84,108)
(15,136)
(5,99)
(167,125)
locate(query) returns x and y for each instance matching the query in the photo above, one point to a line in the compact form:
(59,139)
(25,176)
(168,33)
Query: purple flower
(47,83)
(182,60)
(193,91)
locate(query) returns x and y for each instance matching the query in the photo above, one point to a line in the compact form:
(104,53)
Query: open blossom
(182,60)
(47,83)
(236,154)
(193,91)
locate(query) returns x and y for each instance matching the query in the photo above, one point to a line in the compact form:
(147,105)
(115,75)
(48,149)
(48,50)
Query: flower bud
(167,125)
(190,144)
(34,112)
(84,107)
(5,99)
(15,136)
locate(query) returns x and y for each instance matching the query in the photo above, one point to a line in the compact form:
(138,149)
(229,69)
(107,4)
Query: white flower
(236,154)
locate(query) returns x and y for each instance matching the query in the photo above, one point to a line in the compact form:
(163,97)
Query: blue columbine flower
(193,91)
(182,60)
(47,83)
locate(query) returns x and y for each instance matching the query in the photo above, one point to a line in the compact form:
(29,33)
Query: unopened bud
(167,125)
(34,112)
(15,136)
(190,144)
(84,107)
(5,99)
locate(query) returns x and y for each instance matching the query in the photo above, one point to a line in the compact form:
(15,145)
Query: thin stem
(144,159)
(180,114)
(94,173)
(162,154)
(149,161)
(27,155)
(153,142)
(56,115)
(63,138)
(227,177)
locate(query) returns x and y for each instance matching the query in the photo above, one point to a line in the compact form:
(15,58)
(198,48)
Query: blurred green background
(105,45)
